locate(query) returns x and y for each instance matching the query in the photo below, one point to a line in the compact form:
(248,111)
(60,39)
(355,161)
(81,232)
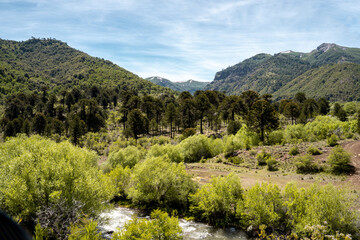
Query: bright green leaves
(159,182)
(216,202)
(160,226)
(37,172)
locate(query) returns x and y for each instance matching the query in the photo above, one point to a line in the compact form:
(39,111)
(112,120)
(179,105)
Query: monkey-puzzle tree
(262,117)
(292,111)
(137,123)
(170,116)
(203,105)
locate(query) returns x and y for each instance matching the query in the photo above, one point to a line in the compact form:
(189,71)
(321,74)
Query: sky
(183,39)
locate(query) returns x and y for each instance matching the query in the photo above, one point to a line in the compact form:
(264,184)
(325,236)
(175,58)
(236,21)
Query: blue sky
(183,39)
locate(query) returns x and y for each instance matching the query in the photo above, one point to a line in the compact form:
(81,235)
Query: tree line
(75,112)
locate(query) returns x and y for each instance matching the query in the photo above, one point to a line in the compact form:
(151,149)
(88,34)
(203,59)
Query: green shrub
(294,151)
(235,160)
(276,137)
(195,148)
(233,127)
(120,178)
(216,202)
(159,182)
(160,226)
(170,151)
(272,164)
(305,164)
(263,157)
(313,150)
(339,161)
(328,205)
(295,133)
(333,140)
(38,175)
(126,157)
(262,205)
(85,229)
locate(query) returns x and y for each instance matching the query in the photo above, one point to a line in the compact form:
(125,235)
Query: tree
(147,106)
(202,105)
(69,100)
(250,97)
(232,105)
(50,106)
(187,112)
(137,123)
(292,110)
(300,97)
(310,107)
(324,106)
(262,117)
(77,129)
(39,123)
(170,116)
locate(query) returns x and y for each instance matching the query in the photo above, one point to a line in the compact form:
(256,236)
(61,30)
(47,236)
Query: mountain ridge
(190,85)
(49,63)
(267,74)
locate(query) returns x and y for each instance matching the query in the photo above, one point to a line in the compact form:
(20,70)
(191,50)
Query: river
(117,217)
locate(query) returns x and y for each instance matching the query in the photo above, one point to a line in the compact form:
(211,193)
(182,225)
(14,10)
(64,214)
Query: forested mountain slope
(267,73)
(48,63)
(336,82)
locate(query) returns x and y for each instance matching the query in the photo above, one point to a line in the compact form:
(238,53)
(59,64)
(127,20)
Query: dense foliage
(39,177)
(320,73)
(38,63)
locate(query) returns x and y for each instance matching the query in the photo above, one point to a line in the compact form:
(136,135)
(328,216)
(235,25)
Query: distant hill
(191,85)
(336,82)
(267,73)
(48,63)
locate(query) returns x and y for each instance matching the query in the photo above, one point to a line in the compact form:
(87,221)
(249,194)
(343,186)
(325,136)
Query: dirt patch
(250,173)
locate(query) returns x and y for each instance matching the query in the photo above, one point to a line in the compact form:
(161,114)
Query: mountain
(48,63)
(191,85)
(336,82)
(267,73)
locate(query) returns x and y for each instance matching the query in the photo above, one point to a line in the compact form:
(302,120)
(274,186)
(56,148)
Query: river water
(116,218)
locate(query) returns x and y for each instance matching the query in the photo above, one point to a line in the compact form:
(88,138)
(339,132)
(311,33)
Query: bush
(332,140)
(294,151)
(85,229)
(276,137)
(339,161)
(233,127)
(160,226)
(235,160)
(216,202)
(120,178)
(159,182)
(313,150)
(295,133)
(272,164)
(171,152)
(320,205)
(305,164)
(263,157)
(126,157)
(195,148)
(263,205)
(38,174)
